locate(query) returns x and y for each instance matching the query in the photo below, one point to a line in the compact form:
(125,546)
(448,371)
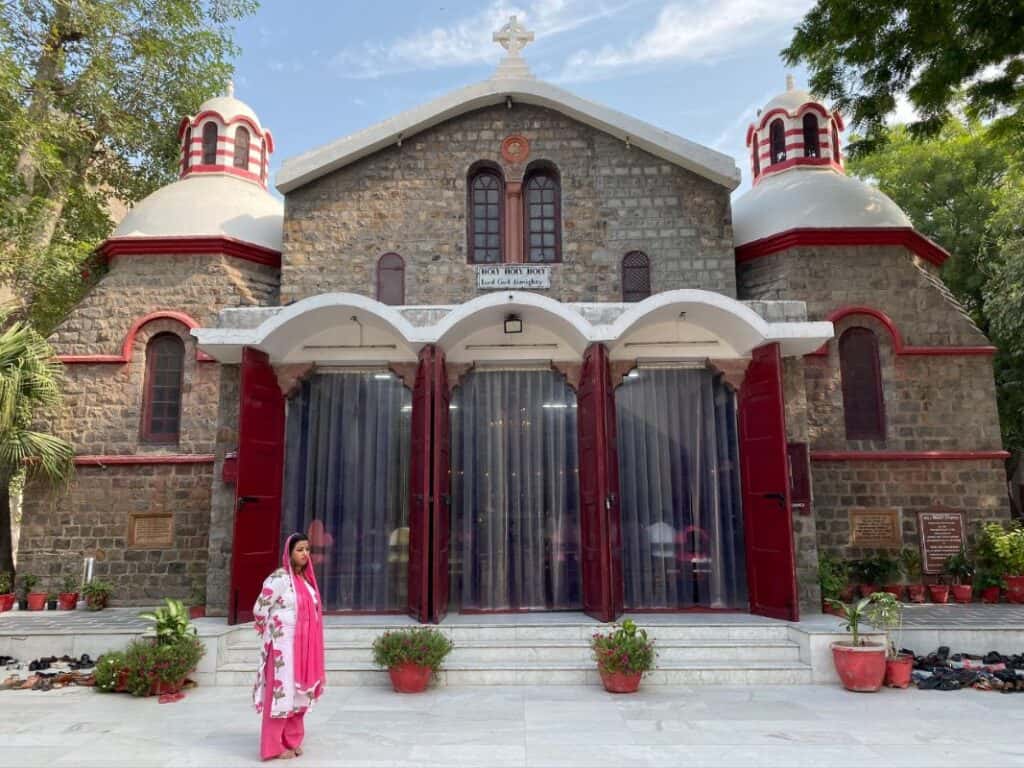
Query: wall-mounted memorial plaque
(154,531)
(513,276)
(942,535)
(878,528)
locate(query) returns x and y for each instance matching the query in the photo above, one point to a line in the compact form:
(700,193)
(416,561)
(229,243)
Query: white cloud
(468,40)
(696,30)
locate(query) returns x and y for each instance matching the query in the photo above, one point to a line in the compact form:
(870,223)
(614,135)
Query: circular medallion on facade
(515,149)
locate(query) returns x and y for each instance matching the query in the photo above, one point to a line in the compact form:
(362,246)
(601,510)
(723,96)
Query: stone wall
(411,199)
(222,505)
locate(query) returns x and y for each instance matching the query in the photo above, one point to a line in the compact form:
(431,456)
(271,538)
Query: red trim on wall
(194,121)
(127,347)
(809,236)
(209,245)
(908,455)
(899,347)
(815,161)
(129,459)
(807,105)
(208,168)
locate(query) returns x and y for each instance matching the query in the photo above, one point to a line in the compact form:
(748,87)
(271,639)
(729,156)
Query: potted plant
(1008,544)
(111,673)
(411,656)
(990,566)
(910,559)
(163,664)
(68,598)
(51,601)
(989,585)
(198,608)
(860,664)
(34,601)
(886,613)
(939,591)
(870,572)
(887,571)
(962,570)
(6,592)
(833,574)
(623,656)
(97,594)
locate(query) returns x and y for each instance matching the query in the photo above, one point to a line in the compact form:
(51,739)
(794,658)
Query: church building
(509,351)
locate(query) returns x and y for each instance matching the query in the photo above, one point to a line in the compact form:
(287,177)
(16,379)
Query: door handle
(779,497)
(243,500)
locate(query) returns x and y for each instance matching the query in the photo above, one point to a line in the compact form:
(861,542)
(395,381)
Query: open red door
(768,521)
(419,488)
(600,519)
(440,487)
(257,530)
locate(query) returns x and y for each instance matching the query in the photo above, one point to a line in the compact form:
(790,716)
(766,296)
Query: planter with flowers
(411,656)
(1008,544)
(623,656)
(6,592)
(910,560)
(962,570)
(68,597)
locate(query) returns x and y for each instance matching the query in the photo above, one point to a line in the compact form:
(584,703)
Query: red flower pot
(621,682)
(829,608)
(36,601)
(409,678)
(939,593)
(916,593)
(990,595)
(897,671)
(196,611)
(962,592)
(67,600)
(896,590)
(860,667)
(6,602)
(1014,589)
(867,589)
(846,595)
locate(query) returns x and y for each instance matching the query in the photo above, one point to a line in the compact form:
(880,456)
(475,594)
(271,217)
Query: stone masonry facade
(411,200)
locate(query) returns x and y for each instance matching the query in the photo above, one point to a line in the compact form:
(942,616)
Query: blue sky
(316,70)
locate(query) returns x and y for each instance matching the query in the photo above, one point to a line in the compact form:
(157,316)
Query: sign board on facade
(879,528)
(522,276)
(151,531)
(942,536)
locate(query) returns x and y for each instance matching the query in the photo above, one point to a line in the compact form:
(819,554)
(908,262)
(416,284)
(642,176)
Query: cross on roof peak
(513,36)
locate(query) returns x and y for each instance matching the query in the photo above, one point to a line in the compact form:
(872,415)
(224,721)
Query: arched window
(263,160)
(242,148)
(778,141)
(188,148)
(756,152)
(391,279)
(210,143)
(543,220)
(636,276)
(812,147)
(161,405)
(486,216)
(835,143)
(861,372)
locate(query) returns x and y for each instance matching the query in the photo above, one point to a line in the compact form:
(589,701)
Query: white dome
(208,205)
(229,107)
(818,198)
(788,100)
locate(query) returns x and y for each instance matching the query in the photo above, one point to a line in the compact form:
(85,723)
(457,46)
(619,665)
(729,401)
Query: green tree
(29,390)
(862,54)
(90,93)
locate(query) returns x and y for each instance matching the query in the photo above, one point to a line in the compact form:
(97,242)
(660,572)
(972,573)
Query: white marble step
(693,673)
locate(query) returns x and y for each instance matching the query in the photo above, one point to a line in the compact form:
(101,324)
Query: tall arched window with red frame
(542,237)
(242,148)
(210,143)
(486,215)
(161,401)
(391,279)
(863,396)
(812,146)
(777,134)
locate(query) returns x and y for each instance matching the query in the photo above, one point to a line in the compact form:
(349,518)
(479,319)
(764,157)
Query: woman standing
(291,674)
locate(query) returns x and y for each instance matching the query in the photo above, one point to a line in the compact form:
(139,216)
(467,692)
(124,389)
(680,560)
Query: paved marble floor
(528,726)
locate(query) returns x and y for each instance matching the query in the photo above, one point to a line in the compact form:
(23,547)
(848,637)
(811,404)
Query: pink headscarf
(308,648)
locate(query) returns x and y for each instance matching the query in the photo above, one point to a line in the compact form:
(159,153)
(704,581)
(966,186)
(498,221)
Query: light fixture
(513,324)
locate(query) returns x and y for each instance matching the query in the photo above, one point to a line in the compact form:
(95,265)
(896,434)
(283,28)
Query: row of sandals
(48,672)
(994,671)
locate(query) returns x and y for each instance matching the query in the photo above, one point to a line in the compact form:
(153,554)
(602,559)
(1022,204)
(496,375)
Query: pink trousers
(278,734)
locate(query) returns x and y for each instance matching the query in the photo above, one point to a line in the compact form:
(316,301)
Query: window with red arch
(756,157)
(486,216)
(210,143)
(636,276)
(542,238)
(161,405)
(241,148)
(777,140)
(391,279)
(835,142)
(812,146)
(863,396)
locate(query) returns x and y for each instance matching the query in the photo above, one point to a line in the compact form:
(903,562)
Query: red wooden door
(419,488)
(768,521)
(440,490)
(600,519)
(257,529)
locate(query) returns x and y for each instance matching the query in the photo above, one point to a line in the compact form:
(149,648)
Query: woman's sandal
(286,755)
(297,751)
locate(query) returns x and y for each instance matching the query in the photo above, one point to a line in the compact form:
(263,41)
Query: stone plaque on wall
(513,276)
(151,531)
(942,536)
(879,528)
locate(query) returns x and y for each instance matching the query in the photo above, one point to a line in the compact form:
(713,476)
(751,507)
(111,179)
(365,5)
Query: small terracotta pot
(96,602)
(6,602)
(916,593)
(846,595)
(409,678)
(829,608)
(1014,589)
(990,595)
(867,589)
(860,667)
(896,590)
(962,592)
(36,601)
(621,682)
(939,593)
(897,671)
(196,611)
(67,600)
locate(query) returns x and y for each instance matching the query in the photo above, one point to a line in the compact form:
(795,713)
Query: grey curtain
(346,485)
(515,492)
(682,524)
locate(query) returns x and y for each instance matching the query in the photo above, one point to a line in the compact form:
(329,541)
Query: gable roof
(703,161)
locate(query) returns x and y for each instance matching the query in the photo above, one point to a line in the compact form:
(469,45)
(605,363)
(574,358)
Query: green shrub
(910,559)
(423,646)
(5,583)
(1008,544)
(171,622)
(69,585)
(624,649)
(149,663)
(28,582)
(833,575)
(108,667)
(96,594)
